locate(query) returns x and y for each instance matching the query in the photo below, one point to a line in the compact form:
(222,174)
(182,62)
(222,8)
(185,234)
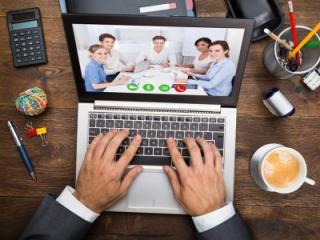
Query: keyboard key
(196,119)
(90,139)
(172,119)
(110,123)
(185,152)
(104,131)
(137,125)
(126,142)
(154,160)
(140,117)
(101,123)
(164,118)
(156,118)
(94,131)
(117,116)
(180,144)
(184,126)
(188,119)
(161,134)
(180,119)
(207,135)
(143,133)
(151,134)
(148,118)
(153,142)
(198,134)
(221,152)
(220,120)
(203,127)
(216,127)
(165,152)
(133,117)
(140,151)
(158,151)
(212,120)
(100,115)
(204,119)
(146,125)
(124,117)
(93,115)
(194,126)
(162,142)
(179,135)
(189,134)
(174,126)
(169,134)
(128,124)
(165,126)
(218,138)
(121,150)
(132,133)
(156,125)
(92,123)
(145,142)
(119,124)
(148,151)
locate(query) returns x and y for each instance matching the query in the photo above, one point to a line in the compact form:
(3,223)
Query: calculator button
(31,48)
(35,31)
(23,44)
(38,47)
(24,49)
(22,39)
(37,41)
(21,33)
(29,37)
(39,57)
(16,39)
(38,52)
(33,58)
(32,54)
(36,37)
(17,50)
(30,43)
(19,60)
(28,32)
(15,34)
(25,54)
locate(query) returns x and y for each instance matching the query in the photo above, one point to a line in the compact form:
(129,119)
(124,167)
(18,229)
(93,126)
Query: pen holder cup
(310,57)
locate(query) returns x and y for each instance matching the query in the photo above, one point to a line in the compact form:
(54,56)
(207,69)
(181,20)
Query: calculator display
(24,25)
(23,16)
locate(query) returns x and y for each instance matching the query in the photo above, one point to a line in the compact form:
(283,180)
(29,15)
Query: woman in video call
(218,79)
(158,54)
(202,61)
(95,77)
(115,62)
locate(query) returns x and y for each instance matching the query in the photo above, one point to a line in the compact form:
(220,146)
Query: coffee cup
(276,168)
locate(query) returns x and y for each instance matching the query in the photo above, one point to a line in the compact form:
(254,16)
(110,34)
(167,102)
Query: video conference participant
(158,54)
(95,77)
(218,79)
(202,60)
(115,62)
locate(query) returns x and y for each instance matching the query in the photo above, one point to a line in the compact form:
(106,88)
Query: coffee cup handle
(310,181)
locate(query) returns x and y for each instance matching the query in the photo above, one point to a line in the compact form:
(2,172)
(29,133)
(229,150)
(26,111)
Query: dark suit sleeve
(232,229)
(54,221)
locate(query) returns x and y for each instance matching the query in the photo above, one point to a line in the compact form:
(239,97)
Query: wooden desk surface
(270,215)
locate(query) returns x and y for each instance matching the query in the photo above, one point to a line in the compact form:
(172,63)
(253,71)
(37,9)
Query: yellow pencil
(305,40)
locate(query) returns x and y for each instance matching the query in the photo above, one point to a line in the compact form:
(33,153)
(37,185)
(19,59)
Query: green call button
(132,87)
(148,87)
(164,88)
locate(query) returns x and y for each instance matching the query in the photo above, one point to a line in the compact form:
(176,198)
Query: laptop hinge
(157,107)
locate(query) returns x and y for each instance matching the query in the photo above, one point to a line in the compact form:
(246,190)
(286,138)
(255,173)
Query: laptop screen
(165,60)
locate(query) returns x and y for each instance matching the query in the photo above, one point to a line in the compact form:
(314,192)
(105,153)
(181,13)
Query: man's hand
(199,188)
(102,180)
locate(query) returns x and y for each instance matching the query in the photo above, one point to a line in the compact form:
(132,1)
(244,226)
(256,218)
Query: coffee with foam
(281,169)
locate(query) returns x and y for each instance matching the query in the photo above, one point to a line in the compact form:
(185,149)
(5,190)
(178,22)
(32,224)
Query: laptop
(151,108)
(141,66)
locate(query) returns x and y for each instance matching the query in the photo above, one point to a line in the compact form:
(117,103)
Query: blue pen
(23,153)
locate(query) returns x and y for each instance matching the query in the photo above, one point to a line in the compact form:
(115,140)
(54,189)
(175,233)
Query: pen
(293,29)
(277,39)
(23,153)
(305,40)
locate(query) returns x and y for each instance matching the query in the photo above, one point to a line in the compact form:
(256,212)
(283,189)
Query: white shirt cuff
(70,202)
(213,219)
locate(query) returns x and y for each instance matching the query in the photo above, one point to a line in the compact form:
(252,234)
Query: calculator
(26,37)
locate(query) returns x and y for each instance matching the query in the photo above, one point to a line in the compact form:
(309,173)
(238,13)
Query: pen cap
(277,103)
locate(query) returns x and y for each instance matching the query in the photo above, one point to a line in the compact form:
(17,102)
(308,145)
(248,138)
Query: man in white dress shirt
(159,54)
(199,188)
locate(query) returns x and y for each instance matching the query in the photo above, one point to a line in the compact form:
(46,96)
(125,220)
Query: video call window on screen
(158,60)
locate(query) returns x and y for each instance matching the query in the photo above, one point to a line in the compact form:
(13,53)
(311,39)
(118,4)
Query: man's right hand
(198,188)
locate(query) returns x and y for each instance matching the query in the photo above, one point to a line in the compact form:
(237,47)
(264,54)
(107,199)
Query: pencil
(293,29)
(312,44)
(305,40)
(277,39)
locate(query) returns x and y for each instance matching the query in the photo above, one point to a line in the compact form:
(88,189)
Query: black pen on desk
(23,153)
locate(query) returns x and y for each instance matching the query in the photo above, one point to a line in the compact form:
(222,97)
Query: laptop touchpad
(151,190)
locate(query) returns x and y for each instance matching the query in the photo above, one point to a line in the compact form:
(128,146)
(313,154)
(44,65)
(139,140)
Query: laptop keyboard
(155,129)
